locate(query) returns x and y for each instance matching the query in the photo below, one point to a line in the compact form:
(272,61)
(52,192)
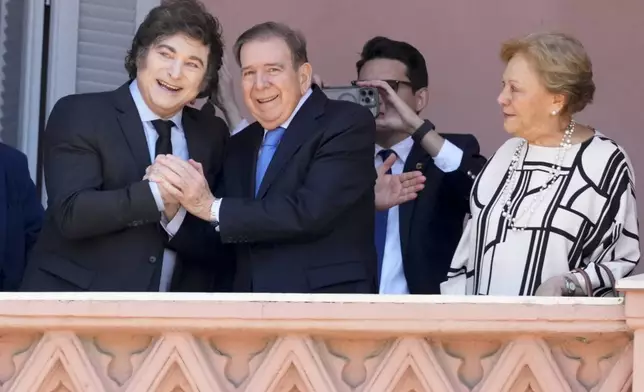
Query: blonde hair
(562,64)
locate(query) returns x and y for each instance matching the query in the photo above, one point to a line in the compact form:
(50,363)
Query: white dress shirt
(392,276)
(179,149)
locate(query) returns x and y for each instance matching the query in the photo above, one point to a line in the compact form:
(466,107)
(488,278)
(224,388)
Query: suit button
(152,259)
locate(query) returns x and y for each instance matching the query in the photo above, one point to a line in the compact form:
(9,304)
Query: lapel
(5,202)
(250,140)
(196,139)
(132,127)
(418,159)
(301,128)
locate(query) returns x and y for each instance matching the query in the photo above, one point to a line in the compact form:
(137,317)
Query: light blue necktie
(266,152)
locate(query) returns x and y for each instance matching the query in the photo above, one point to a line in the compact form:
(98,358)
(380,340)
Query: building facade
(52,48)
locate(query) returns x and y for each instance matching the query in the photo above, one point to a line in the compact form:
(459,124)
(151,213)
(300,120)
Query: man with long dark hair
(106,225)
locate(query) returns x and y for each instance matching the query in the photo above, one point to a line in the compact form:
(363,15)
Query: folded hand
(185,181)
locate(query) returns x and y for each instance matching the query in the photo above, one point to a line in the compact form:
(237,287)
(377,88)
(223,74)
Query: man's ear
(422,99)
(305,74)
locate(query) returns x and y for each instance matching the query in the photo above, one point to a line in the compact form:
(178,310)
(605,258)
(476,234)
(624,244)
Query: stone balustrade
(138,342)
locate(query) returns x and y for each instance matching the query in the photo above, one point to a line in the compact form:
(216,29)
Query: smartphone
(365,96)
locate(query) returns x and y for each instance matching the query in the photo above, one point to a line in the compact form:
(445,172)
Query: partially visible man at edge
(105,225)
(21,216)
(297,195)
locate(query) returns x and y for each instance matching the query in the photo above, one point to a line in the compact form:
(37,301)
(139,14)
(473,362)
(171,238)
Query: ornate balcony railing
(137,342)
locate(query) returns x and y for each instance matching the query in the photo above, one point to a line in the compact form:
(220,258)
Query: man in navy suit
(416,240)
(21,215)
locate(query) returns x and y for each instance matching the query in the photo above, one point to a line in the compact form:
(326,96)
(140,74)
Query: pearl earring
(554,112)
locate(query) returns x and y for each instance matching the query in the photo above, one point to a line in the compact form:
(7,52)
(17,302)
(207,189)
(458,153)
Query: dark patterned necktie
(164,142)
(381,221)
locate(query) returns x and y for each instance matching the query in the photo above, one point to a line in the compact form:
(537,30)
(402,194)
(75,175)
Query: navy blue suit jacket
(21,215)
(432,224)
(310,227)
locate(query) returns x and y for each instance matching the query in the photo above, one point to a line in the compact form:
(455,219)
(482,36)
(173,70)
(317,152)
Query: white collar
(402,148)
(144,110)
(306,96)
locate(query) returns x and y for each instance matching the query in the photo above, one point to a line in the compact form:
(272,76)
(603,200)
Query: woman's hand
(556,287)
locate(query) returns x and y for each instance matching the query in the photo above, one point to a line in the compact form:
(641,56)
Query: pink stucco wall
(237,342)
(460,40)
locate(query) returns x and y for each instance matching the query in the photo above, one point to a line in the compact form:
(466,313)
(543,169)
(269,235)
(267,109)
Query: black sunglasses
(394,84)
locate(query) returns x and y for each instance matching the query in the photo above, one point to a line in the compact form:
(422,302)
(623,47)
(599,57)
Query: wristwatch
(569,287)
(423,130)
(213,214)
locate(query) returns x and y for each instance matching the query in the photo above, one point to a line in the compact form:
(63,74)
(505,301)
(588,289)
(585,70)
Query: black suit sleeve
(472,161)
(462,179)
(197,241)
(74,177)
(340,174)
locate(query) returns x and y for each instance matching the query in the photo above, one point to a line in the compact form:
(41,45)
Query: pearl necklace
(513,179)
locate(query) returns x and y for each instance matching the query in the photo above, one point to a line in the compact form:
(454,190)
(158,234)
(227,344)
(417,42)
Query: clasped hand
(181,183)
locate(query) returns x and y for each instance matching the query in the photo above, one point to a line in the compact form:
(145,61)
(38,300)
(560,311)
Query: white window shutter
(105,31)
(89,42)
(12,15)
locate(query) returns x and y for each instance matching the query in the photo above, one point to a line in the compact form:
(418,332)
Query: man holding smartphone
(416,240)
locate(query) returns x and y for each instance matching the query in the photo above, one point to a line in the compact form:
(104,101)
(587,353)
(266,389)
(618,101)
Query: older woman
(553,211)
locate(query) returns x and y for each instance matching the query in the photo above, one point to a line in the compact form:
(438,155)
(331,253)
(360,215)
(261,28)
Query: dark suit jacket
(101,230)
(432,224)
(310,229)
(20,216)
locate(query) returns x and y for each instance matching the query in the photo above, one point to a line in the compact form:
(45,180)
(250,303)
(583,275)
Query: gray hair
(294,40)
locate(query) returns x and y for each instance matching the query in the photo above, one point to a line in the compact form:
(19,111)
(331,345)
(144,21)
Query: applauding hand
(392,190)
